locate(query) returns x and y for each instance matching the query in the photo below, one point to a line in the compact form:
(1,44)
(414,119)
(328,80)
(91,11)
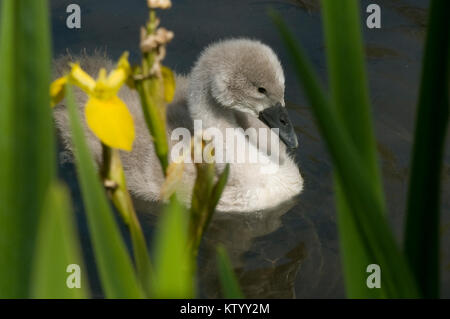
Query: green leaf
(348,80)
(365,220)
(348,83)
(228,281)
(173,275)
(27,143)
(116,270)
(422,222)
(57,248)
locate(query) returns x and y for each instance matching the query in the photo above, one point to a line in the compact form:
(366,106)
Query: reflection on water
(258,267)
(291,251)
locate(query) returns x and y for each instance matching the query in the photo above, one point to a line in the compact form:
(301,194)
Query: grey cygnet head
(241,75)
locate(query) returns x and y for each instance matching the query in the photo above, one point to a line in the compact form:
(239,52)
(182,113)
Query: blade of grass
(26,137)
(228,281)
(57,247)
(365,205)
(116,270)
(422,222)
(350,95)
(173,276)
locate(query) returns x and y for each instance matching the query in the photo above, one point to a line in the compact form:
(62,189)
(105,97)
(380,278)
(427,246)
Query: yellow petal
(57,90)
(169,84)
(173,180)
(120,75)
(116,79)
(107,86)
(111,122)
(102,75)
(124,64)
(81,79)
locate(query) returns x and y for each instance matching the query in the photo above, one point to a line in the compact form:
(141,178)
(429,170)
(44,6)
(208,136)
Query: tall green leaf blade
(57,248)
(27,143)
(348,80)
(228,281)
(115,267)
(422,222)
(365,205)
(350,96)
(173,272)
(354,255)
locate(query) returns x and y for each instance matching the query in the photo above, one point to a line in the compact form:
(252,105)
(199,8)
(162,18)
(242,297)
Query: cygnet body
(236,83)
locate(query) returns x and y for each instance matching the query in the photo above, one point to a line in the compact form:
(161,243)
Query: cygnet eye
(262,90)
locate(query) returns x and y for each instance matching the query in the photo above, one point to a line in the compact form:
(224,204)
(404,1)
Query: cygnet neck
(202,106)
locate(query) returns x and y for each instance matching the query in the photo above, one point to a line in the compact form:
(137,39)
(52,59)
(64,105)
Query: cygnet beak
(277,117)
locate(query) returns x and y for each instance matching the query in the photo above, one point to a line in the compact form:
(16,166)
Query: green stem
(150,91)
(112,171)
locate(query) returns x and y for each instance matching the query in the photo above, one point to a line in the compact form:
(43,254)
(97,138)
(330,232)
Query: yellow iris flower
(106,114)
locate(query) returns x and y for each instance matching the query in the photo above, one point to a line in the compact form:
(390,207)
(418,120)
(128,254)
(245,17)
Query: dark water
(292,251)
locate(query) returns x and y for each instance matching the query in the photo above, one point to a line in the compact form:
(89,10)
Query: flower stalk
(113,177)
(154,82)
